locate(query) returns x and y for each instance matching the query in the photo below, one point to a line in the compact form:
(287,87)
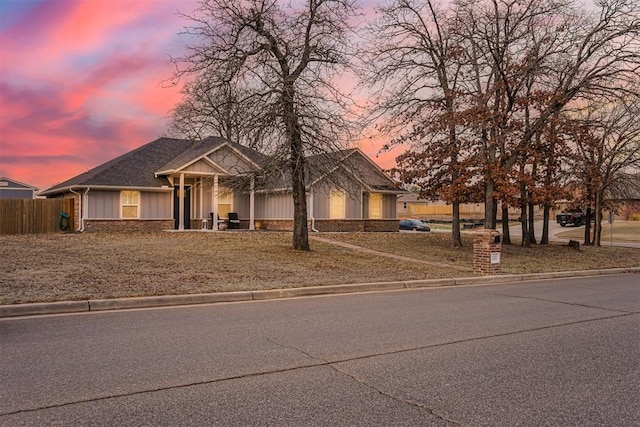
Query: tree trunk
(297,166)
(523,215)
(532,229)
(506,235)
(300,228)
(531,188)
(598,217)
(523,225)
(494,214)
(455,226)
(489,205)
(587,227)
(545,224)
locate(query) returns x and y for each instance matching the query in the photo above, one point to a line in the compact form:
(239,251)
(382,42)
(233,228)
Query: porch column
(202,198)
(214,226)
(252,214)
(181,204)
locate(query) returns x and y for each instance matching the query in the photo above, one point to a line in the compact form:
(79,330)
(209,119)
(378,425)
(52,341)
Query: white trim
(205,157)
(252,205)
(106,187)
(6,188)
(214,203)
(129,219)
(202,199)
(181,203)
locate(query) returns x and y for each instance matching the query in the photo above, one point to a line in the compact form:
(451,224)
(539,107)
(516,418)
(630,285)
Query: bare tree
(554,154)
(607,149)
(210,108)
(530,59)
(412,66)
(286,57)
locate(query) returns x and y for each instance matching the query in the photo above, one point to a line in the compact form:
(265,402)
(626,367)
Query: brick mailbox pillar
(487,245)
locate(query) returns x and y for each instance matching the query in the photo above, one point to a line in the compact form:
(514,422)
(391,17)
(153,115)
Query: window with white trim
(225,199)
(336,209)
(375,205)
(129,204)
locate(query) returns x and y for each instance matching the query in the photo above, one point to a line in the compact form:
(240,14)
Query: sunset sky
(81,82)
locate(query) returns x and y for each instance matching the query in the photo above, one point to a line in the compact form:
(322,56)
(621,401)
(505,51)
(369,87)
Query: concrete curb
(33,309)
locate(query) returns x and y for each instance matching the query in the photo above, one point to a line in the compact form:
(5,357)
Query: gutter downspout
(83,205)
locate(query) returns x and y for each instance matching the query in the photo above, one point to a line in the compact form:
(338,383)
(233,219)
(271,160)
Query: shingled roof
(352,161)
(137,168)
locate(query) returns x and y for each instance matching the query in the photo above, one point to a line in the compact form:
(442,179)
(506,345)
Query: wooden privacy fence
(33,216)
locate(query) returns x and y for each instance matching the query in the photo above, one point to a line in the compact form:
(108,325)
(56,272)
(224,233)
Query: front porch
(205,202)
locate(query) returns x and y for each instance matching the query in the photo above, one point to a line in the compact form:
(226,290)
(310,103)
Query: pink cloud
(81,83)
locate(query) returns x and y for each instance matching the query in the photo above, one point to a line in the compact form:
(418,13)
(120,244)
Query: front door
(187,207)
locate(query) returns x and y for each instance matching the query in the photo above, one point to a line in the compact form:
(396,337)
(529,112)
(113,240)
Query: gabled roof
(200,149)
(625,188)
(17,185)
(133,169)
(352,162)
(148,166)
(206,146)
(138,168)
(366,171)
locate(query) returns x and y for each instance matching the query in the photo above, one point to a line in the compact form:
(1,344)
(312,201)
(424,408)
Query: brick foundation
(328,225)
(109,225)
(484,245)
(324,225)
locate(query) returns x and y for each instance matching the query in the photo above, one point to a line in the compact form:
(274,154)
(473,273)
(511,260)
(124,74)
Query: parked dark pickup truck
(575,218)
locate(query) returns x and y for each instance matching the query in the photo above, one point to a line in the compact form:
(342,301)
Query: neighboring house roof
(625,188)
(12,189)
(148,166)
(8,182)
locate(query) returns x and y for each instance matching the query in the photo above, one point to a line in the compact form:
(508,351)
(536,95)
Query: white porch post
(202,198)
(252,214)
(181,205)
(214,226)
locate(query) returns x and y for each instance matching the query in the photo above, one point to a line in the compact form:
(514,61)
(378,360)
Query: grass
(59,267)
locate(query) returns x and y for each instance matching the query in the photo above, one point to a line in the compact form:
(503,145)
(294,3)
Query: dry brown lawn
(59,267)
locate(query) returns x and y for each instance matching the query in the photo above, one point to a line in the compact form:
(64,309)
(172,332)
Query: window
(130,202)
(337,204)
(375,205)
(225,197)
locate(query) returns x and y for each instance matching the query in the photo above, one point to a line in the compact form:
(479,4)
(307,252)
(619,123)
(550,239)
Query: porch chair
(234,222)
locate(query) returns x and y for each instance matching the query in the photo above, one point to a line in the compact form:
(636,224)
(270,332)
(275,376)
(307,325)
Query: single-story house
(625,193)
(184,184)
(12,189)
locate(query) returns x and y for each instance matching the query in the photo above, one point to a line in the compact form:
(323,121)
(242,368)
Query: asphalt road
(557,352)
